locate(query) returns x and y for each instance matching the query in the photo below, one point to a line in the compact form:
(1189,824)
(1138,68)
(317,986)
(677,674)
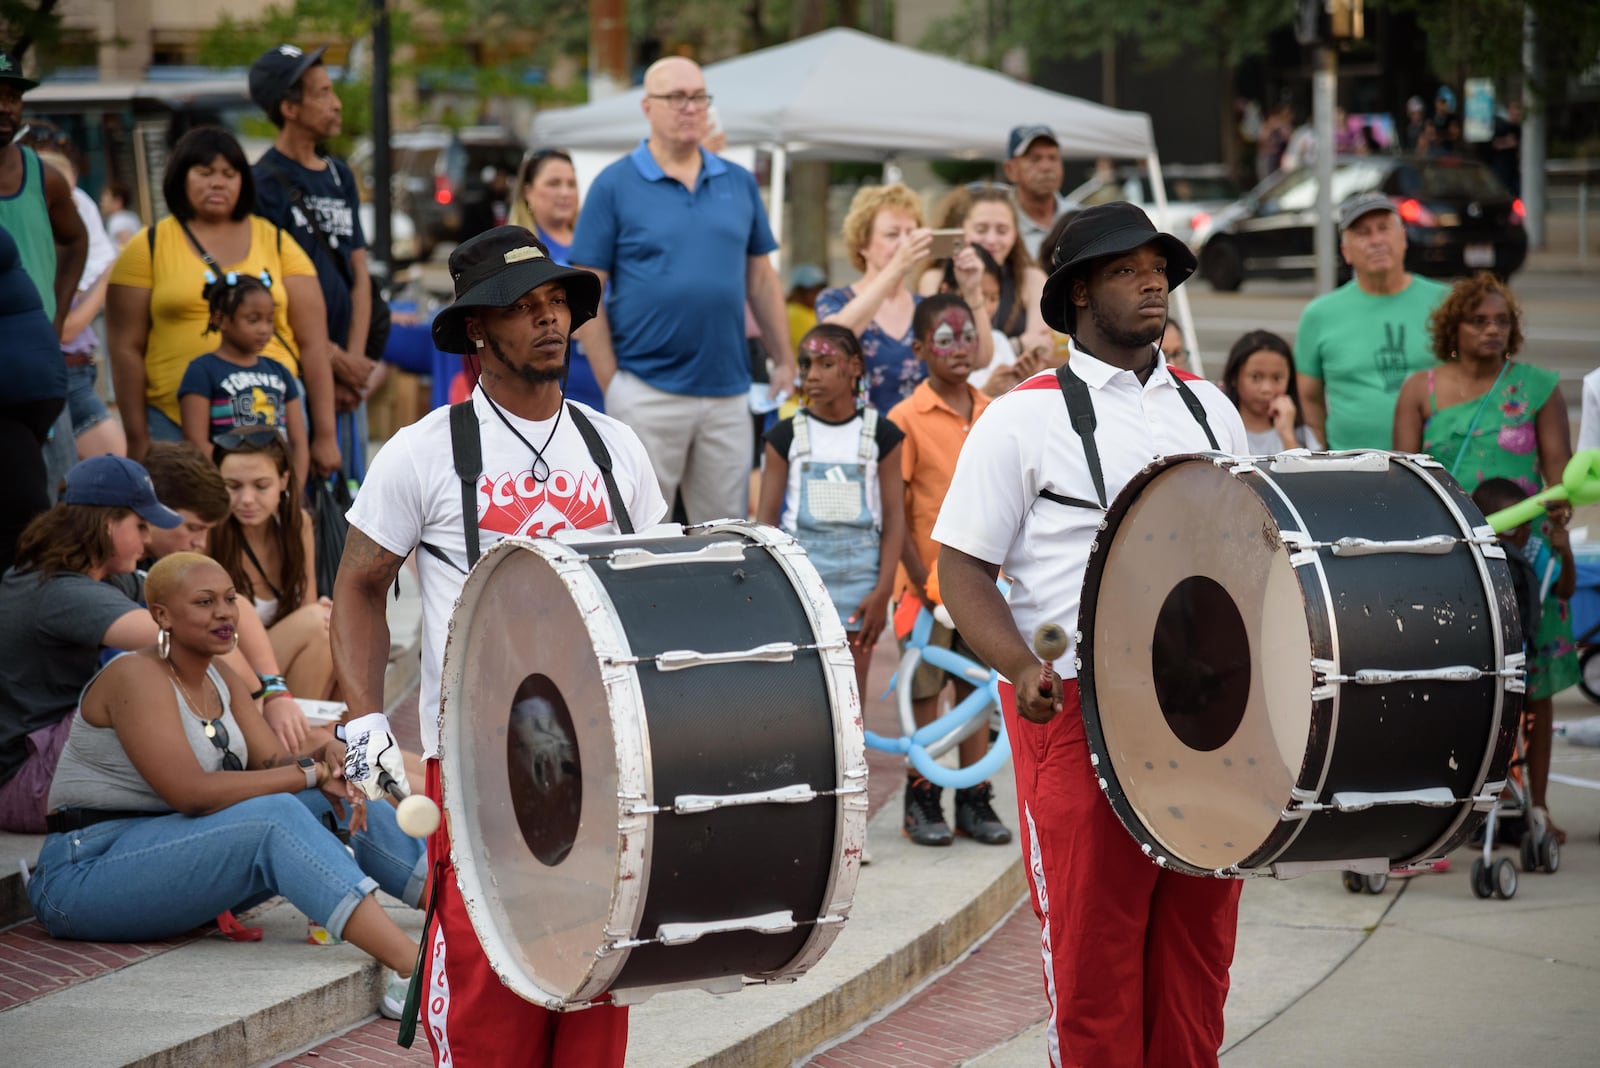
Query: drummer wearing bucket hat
(1137,956)
(516,458)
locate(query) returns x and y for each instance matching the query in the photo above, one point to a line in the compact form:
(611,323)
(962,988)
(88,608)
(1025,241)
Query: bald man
(681,236)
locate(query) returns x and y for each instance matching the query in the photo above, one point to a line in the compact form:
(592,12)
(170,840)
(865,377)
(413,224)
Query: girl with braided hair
(236,389)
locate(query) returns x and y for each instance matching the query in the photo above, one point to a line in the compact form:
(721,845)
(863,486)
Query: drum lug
(721,552)
(1292,463)
(681,934)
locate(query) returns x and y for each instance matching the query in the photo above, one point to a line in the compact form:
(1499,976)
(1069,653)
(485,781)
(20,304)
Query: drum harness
(1080,407)
(466,443)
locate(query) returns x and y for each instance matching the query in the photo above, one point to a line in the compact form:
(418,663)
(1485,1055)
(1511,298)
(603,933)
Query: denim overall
(833,519)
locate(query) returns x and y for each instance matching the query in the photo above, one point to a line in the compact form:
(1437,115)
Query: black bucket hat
(493,269)
(1101,231)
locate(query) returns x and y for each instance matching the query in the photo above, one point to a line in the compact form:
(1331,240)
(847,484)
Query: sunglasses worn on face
(217,731)
(259,438)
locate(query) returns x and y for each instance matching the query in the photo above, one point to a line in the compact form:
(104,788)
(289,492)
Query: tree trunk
(806,236)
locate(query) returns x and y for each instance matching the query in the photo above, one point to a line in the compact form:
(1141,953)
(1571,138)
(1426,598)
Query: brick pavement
(990,996)
(32,964)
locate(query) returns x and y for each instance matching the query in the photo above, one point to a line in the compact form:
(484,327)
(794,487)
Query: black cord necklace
(539,462)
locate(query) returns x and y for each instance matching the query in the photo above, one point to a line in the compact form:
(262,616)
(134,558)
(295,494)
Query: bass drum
(651,752)
(1302,662)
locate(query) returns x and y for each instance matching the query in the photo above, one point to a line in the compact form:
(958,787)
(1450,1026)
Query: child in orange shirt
(935,419)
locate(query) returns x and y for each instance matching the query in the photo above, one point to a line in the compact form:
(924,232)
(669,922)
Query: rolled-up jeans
(158,876)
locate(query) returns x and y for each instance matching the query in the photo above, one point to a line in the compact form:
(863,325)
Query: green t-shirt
(1363,347)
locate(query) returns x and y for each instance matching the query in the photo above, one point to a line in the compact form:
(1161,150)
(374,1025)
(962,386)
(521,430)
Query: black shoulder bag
(378,324)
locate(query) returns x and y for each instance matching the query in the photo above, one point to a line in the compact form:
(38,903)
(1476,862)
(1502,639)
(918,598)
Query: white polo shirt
(1024,443)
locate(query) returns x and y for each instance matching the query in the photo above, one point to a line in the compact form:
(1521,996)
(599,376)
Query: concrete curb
(917,910)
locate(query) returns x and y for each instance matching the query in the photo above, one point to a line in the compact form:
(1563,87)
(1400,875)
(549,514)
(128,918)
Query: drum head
(1196,666)
(531,786)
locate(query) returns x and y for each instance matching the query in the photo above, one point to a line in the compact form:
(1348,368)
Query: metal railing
(1569,181)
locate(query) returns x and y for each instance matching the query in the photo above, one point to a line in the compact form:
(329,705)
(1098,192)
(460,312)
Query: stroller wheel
(1482,881)
(1589,677)
(1550,854)
(1375,883)
(1354,882)
(1530,852)
(1505,879)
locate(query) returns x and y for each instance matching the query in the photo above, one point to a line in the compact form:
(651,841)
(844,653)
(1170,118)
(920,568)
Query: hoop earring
(164,643)
(233,643)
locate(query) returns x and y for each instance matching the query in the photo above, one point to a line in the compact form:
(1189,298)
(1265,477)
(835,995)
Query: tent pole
(779,194)
(1158,186)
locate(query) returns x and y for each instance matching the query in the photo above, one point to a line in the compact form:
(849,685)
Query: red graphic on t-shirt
(513,503)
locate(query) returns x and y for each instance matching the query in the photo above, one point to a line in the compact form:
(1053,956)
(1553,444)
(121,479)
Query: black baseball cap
(277,71)
(11,71)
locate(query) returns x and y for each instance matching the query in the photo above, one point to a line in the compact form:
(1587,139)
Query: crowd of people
(166,598)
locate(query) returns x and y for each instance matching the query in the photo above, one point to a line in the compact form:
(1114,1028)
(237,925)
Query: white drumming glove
(371,750)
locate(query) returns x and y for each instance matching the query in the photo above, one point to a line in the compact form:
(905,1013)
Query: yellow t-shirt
(178,313)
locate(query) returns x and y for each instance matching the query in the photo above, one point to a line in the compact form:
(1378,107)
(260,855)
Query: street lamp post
(382,195)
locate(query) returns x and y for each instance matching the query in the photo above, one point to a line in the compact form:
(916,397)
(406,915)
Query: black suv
(1459,218)
(453,183)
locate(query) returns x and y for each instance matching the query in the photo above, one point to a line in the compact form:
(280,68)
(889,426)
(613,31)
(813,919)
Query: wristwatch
(309,766)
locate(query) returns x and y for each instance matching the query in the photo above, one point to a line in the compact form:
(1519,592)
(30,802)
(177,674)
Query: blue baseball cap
(117,482)
(806,276)
(1023,137)
(1447,94)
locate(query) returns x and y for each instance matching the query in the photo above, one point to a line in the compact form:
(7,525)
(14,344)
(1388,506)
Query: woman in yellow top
(156,311)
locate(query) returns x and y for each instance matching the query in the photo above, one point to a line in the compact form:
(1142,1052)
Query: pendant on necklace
(211,728)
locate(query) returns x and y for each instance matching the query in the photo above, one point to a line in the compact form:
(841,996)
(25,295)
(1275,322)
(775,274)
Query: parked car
(1458,216)
(1192,191)
(452,183)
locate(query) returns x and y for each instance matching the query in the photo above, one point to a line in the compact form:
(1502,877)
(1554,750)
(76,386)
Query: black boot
(975,816)
(924,822)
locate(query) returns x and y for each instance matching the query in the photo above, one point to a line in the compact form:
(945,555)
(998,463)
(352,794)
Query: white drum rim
(839,675)
(627,894)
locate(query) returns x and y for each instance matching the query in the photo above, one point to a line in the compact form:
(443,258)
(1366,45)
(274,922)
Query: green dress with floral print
(1496,437)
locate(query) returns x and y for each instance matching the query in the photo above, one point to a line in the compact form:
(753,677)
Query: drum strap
(467,445)
(1080,408)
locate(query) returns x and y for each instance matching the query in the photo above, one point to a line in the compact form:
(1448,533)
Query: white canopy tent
(846,95)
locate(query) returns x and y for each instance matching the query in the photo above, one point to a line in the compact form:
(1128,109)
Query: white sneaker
(393,1005)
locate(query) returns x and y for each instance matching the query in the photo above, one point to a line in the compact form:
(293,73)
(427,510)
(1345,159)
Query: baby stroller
(1537,845)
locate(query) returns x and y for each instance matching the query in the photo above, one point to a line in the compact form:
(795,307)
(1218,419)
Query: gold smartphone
(946,243)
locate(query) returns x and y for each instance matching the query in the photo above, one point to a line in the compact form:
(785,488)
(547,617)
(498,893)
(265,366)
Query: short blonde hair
(864,208)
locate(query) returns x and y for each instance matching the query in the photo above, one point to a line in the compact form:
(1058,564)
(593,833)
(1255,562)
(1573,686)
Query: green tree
(1222,31)
(24,24)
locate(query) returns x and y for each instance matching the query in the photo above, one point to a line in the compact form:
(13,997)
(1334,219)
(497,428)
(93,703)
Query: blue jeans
(88,410)
(385,852)
(160,426)
(158,876)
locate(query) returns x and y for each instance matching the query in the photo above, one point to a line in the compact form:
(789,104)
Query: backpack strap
(1196,409)
(467,445)
(1080,409)
(602,459)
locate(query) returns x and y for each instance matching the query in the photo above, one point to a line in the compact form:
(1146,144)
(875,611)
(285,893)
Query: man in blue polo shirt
(682,238)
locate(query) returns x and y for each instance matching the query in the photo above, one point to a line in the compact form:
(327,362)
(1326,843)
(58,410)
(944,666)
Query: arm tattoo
(368,561)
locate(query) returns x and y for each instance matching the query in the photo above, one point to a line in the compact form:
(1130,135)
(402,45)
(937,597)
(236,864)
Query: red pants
(1135,957)
(472,1019)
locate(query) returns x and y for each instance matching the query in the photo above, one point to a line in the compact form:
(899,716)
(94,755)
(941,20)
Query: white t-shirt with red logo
(412,496)
(1024,442)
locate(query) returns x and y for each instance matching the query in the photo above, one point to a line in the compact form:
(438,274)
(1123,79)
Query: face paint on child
(827,374)
(952,346)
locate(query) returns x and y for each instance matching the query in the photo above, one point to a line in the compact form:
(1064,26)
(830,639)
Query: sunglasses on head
(984,187)
(259,438)
(531,164)
(217,731)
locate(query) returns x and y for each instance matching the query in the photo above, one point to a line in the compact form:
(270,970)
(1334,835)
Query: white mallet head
(417,815)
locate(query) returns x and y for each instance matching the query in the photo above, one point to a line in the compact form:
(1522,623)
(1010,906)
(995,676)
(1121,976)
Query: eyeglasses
(217,731)
(258,438)
(683,101)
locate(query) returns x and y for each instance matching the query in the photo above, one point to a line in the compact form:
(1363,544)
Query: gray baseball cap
(1363,204)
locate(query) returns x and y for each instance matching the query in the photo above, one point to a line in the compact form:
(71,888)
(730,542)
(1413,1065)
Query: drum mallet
(1049,642)
(415,814)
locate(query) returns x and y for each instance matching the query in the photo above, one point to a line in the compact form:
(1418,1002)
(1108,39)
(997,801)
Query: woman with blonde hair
(887,240)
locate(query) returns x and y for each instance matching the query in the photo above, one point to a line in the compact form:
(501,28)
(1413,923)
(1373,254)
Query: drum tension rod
(1433,545)
(1323,670)
(689,804)
(678,659)
(680,934)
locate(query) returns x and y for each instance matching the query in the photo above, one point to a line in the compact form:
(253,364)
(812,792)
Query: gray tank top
(95,771)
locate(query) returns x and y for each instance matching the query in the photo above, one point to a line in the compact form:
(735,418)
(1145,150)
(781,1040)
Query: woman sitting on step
(170,771)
